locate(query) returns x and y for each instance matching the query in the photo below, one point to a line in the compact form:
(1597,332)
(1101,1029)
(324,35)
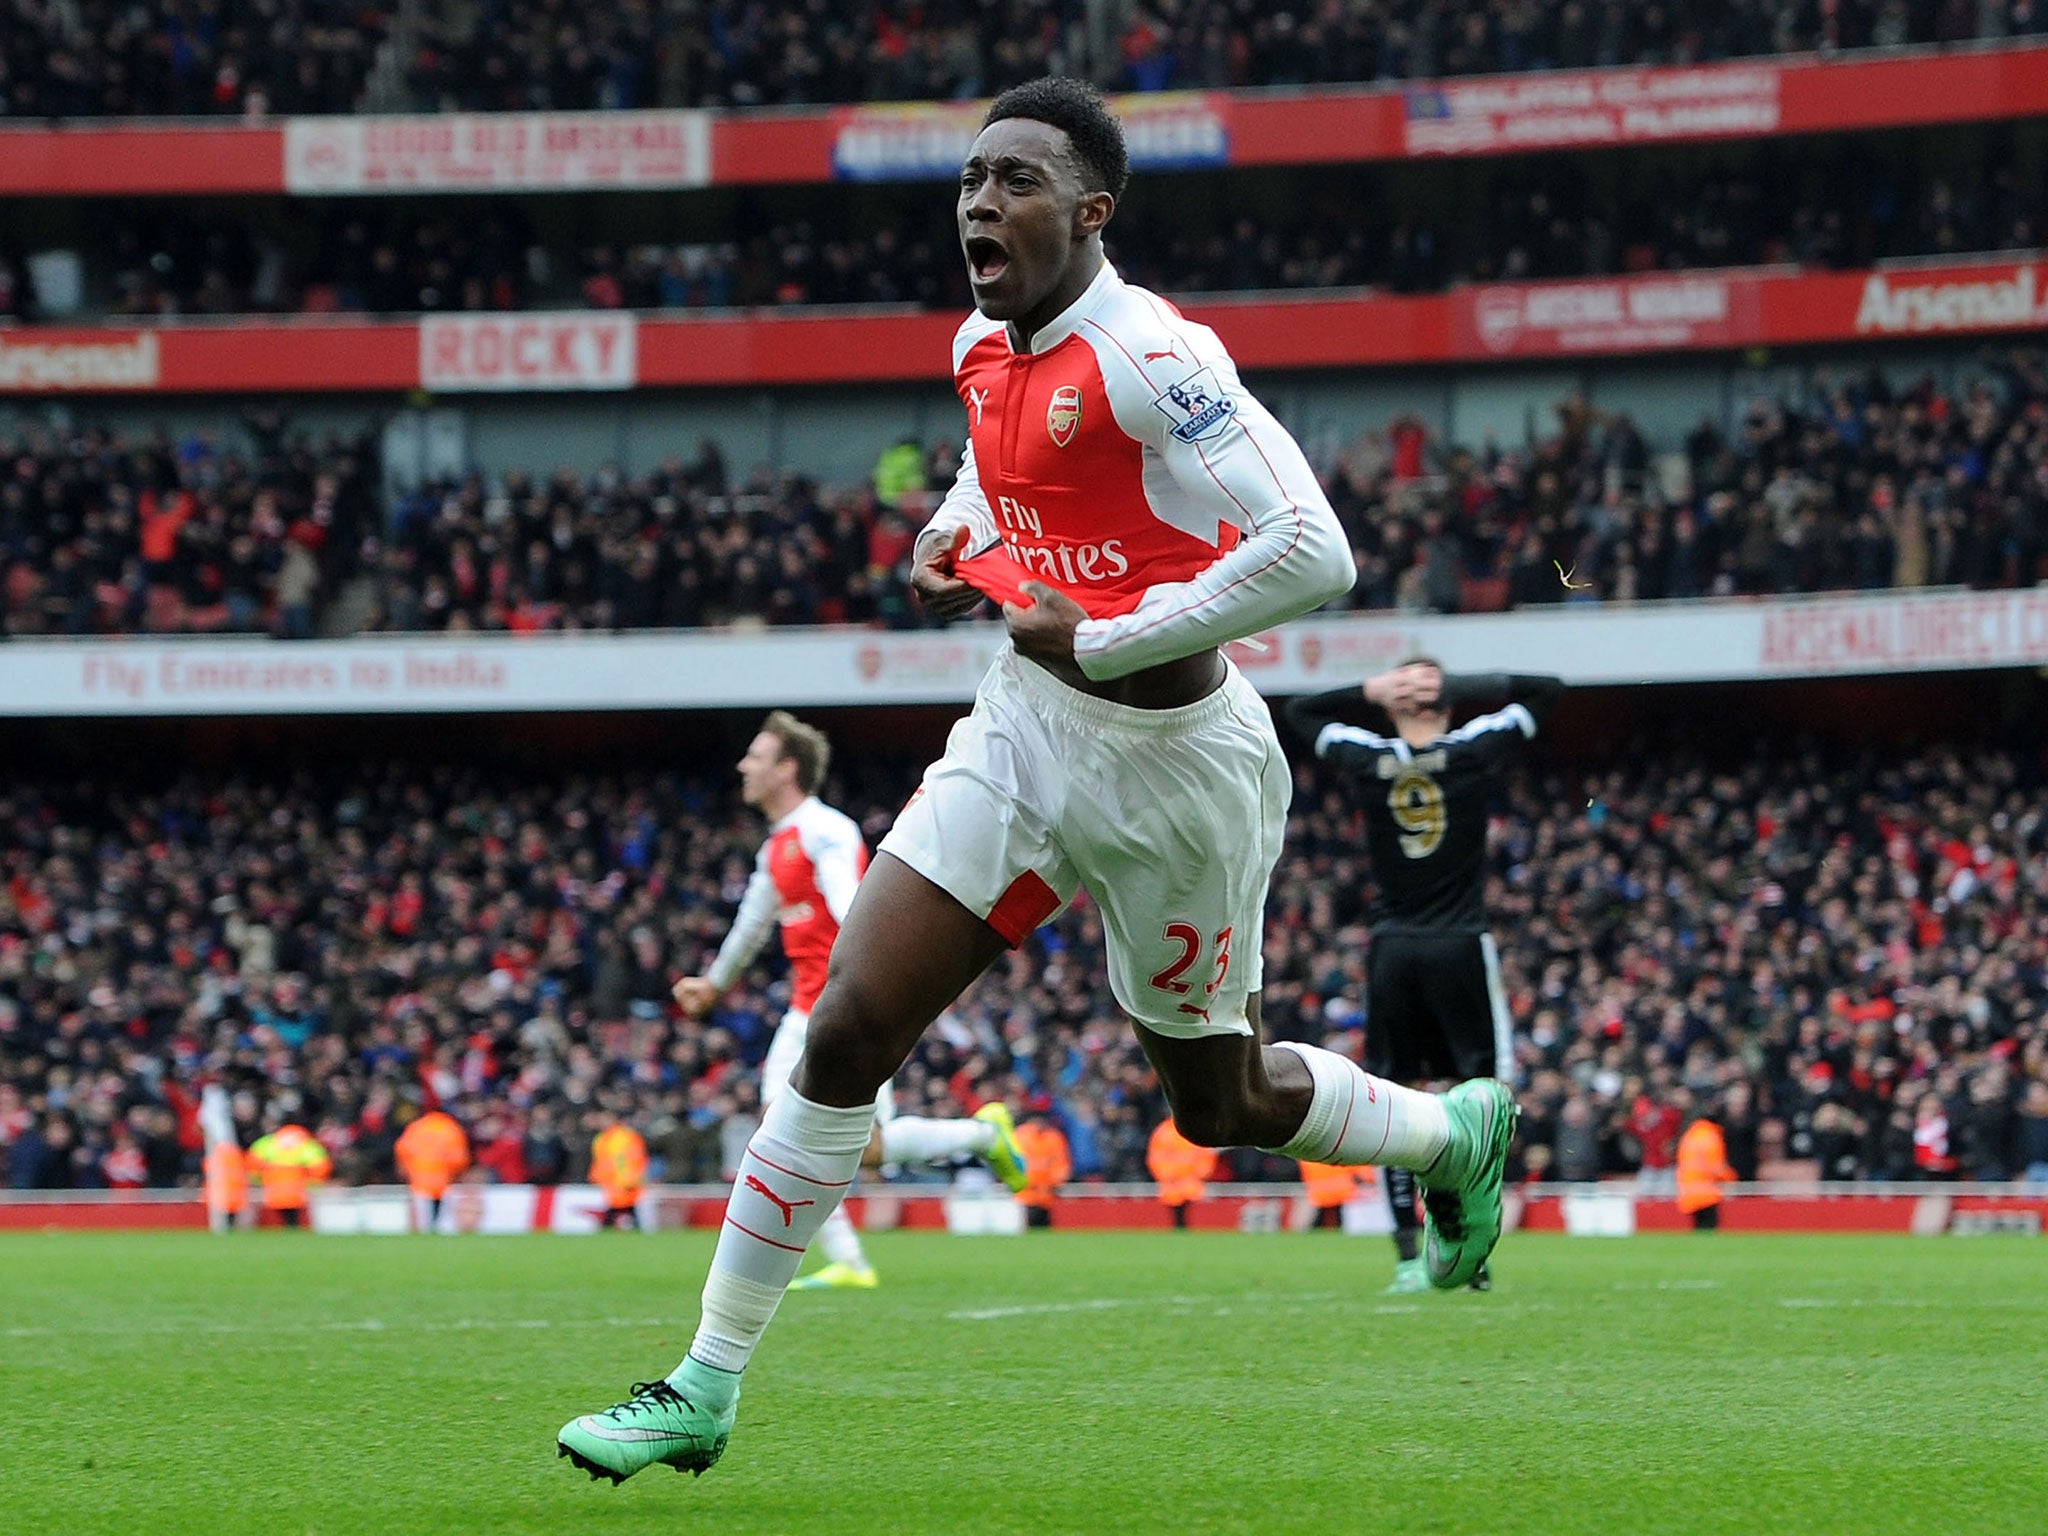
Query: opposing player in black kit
(1434,1004)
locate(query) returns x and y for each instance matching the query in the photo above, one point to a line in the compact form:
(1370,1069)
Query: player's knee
(1211,1123)
(847,1043)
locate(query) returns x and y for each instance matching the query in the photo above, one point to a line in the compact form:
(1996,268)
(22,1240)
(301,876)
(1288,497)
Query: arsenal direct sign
(1620,315)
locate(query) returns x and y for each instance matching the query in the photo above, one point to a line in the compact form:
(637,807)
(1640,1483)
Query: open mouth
(986,258)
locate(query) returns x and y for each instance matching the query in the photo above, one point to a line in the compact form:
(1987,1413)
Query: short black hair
(1077,109)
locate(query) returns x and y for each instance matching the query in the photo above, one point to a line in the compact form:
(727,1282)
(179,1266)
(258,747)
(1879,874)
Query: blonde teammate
(803,883)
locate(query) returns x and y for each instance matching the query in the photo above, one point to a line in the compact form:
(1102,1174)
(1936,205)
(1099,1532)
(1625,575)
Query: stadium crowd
(1846,959)
(1849,484)
(106,533)
(1820,206)
(99,58)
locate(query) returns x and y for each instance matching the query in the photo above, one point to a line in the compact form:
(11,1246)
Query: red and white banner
(1931,302)
(1702,311)
(1685,312)
(570,151)
(496,151)
(1513,113)
(1584,643)
(34,362)
(529,352)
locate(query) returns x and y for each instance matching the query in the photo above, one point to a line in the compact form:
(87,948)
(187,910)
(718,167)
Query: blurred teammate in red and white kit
(1156,511)
(803,882)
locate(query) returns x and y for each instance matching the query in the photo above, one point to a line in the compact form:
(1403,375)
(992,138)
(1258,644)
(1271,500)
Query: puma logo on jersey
(1153,357)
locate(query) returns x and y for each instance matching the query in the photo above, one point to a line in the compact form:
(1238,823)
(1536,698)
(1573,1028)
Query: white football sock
(840,1241)
(795,1172)
(1357,1118)
(914,1139)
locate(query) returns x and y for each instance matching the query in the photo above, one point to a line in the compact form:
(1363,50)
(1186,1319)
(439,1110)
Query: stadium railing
(1927,1209)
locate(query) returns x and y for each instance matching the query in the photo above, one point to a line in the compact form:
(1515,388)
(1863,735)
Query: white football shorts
(1171,818)
(784,1051)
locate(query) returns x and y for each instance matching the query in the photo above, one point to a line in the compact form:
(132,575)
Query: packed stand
(253,58)
(1851,484)
(1855,485)
(1843,958)
(186,58)
(1844,207)
(103,532)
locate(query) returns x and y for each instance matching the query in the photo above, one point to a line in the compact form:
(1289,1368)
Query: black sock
(1401,1198)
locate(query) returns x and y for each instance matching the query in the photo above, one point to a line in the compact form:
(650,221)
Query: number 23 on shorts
(1189,938)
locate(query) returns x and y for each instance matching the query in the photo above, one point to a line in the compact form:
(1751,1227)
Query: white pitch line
(349,1325)
(1264,1302)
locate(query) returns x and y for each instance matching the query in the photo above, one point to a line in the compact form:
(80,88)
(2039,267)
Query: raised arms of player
(1533,694)
(1324,718)
(1234,463)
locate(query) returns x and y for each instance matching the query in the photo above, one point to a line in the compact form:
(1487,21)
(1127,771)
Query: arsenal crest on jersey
(1063,415)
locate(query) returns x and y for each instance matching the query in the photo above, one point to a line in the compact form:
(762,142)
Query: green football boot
(1410,1278)
(837,1277)
(1005,1159)
(1461,1193)
(658,1423)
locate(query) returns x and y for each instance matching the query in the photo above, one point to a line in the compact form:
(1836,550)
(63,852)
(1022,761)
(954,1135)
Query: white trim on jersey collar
(790,819)
(1068,320)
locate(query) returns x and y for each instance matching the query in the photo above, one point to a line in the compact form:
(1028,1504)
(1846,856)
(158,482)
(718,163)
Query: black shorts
(1434,1007)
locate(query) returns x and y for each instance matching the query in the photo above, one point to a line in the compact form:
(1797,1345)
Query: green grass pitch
(273,1383)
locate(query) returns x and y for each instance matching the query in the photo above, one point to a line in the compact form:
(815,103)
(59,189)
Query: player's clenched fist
(1045,630)
(932,578)
(695,995)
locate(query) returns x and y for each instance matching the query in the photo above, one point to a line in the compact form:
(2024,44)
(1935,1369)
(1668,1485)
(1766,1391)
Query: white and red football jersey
(803,881)
(1123,463)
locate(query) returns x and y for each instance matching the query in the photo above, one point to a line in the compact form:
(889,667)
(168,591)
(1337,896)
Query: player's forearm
(747,936)
(965,506)
(1294,561)
(1492,690)
(1307,717)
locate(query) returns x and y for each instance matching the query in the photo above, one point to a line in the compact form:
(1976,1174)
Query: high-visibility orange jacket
(1047,1161)
(1178,1165)
(1702,1166)
(1329,1185)
(432,1151)
(618,1164)
(287,1163)
(227,1180)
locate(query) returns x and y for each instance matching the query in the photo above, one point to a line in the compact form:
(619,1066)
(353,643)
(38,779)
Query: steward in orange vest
(1330,1189)
(227,1183)
(432,1151)
(1179,1167)
(618,1165)
(287,1163)
(1048,1163)
(1702,1170)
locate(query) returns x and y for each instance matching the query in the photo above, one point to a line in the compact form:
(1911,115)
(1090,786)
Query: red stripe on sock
(821,1183)
(757,1237)
(1349,1110)
(1387,1134)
